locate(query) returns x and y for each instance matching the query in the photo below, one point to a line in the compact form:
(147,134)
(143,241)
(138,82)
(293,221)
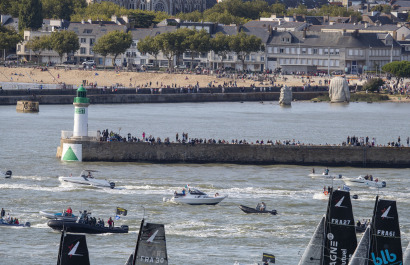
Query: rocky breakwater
(241,154)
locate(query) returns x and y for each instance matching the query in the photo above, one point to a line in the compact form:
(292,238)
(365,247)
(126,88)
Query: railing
(94,135)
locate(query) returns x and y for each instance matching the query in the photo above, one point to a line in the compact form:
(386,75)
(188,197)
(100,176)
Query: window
(315,51)
(337,51)
(82,50)
(287,50)
(262,58)
(320,51)
(275,50)
(281,50)
(303,50)
(332,51)
(83,40)
(293,51)
(350,52)
(326,51)
(309,50)
(269,49)
(88,31)
(26,38)
(92,41)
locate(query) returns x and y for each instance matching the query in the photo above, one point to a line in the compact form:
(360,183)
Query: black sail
(73,250)
(340,234)
(385,240)
(151,245)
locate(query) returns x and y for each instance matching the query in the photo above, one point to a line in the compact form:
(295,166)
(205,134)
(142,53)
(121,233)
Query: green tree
(198,43)
(38,44)
(61,9)
(10,7)
(398,69)
(30,15)
(278,9)
(149,45)
(9,38)
(97,11)
(114,43)
(373,84)
(382,8)
(243,45)
(194,16)
(220,45)
(64,42)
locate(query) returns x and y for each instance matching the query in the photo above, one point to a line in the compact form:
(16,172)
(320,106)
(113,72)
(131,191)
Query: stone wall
(64,98)
(243,154)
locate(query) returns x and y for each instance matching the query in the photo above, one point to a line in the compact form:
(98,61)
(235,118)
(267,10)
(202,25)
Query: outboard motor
(27,224)
(384,184)
(112,185)
(355,196)
(8,174)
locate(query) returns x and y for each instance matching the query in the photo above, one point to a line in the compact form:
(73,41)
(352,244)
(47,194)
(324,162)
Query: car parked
(11,57)
(70,62)
(89,63)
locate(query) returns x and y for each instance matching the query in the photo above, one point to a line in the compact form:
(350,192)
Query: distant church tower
(81,103)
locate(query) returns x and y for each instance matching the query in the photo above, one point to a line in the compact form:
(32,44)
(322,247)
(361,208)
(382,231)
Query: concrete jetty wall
(242,154)
(155,98)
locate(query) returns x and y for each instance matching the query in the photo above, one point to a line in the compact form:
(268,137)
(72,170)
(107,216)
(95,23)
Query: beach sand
(128,79)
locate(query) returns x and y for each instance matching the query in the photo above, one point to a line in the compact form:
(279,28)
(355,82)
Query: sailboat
(381,242)
(73,250)
(151,245)
(334,239)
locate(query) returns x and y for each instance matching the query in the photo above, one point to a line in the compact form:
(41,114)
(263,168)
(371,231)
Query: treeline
(77,10)
(240,12)
(197,42)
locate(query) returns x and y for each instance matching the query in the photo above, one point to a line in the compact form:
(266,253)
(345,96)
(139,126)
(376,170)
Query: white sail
(361,255)
(406,255)
(314,251)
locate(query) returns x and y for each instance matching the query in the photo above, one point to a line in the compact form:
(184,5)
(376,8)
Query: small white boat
(361,180)
(87,179)
(6,173)
(196,197)
(324,175)
(59,216)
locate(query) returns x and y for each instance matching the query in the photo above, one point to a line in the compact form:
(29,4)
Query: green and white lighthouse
(81,103)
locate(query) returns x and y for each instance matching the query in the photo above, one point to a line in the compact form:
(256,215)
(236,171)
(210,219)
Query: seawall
(355,156)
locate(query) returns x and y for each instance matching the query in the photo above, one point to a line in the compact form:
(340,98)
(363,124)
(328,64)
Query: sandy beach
(132,79)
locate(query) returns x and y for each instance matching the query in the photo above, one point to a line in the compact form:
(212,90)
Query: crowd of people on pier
(183,138)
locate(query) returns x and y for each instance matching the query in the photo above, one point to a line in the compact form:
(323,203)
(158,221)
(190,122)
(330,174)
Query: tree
(382,8)
(114,43)
(38,44)
(166,45)
(220,45)
(398,69)
(198,43)
(243,44)
(9,38)
(64,42)
(373,84)
(149,45)
(61,9)
(30,15)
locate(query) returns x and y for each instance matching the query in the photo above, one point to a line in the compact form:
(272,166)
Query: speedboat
(324,175)
(196,197)
(87,179)
(5,223)
(59,216)
(365,180)
(247,209)
(6,174)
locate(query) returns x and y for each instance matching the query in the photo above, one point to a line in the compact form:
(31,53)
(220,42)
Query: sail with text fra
(334,240)
(73,250)
(381,243)
(151,246)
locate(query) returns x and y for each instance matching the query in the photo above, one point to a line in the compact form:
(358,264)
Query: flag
(117,217)
(121,211)
(270,258)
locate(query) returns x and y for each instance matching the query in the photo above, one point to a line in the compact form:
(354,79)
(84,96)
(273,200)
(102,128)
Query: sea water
(220,234)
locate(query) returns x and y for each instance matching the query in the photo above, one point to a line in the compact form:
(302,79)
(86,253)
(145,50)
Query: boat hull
(247,209)
(74,227)
(364,182)
(4,223)
(59,216)
(196,200)
(87,182)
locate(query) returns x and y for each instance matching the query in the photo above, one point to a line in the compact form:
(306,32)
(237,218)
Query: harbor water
(220,234)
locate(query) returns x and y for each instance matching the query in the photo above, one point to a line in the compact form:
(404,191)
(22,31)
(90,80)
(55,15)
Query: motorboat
(87,228)
(60,216)
(324,175)
(366,180)
(247,209)
(85,224)
(194,196)
(6,173)
(4,222)
(86,178)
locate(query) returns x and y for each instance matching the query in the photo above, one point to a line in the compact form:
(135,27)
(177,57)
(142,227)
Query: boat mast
(138,241)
